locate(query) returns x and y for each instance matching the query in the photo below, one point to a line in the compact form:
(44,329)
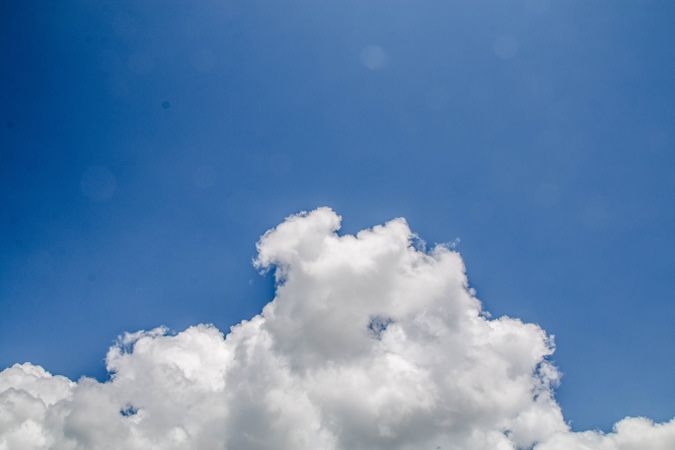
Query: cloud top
(370,343)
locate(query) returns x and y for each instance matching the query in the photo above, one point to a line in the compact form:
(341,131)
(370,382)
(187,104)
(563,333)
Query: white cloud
(369,343)
(631,433)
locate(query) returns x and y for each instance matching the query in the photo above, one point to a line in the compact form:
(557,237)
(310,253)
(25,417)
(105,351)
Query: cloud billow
(370,343)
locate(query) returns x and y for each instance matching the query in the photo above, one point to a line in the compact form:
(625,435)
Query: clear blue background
(145,145)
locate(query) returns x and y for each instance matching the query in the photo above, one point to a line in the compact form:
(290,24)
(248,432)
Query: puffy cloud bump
(370,343)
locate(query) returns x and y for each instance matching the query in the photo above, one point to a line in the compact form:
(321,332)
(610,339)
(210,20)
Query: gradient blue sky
(146,145)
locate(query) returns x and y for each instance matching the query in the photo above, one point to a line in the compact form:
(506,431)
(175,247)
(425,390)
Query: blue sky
(145,147)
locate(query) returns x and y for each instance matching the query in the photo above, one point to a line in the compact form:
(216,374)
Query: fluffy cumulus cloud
(371,342)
